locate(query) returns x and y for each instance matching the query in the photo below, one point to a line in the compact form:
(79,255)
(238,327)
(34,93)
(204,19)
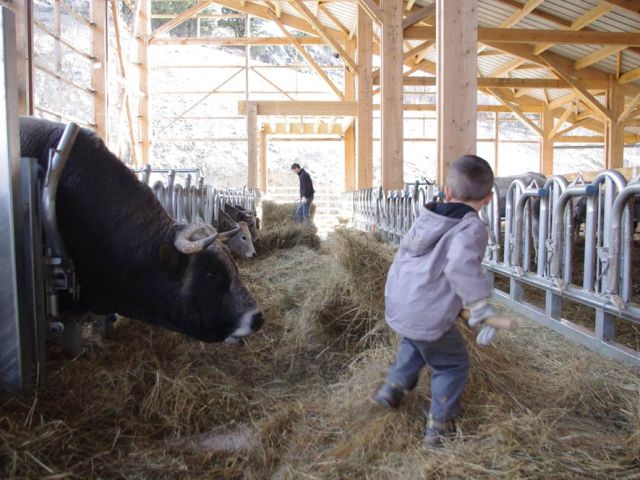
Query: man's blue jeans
(449,362)
(303,212)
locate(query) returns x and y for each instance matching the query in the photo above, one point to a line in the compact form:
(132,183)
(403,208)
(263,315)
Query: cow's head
(240,214)
(237,236)
(207,298)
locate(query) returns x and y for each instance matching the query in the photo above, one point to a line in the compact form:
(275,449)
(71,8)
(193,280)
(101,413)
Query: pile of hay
(295,397)
(279,231)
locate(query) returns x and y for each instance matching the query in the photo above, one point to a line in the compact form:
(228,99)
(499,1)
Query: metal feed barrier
(535,247)
(188,203)
(390,213)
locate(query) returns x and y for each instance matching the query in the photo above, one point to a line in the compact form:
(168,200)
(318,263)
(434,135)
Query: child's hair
(470,178)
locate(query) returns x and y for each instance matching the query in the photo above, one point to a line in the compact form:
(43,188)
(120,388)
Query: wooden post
(614,131)
(364,121)
(349,135)
(99,42)
(143,69)
(391,87)
(126,106)
(263,161)
(457,38)
(546,143)
(24,51)
(252,145)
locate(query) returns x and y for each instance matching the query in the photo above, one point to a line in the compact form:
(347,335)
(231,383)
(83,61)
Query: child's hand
(480,311)
(486,335)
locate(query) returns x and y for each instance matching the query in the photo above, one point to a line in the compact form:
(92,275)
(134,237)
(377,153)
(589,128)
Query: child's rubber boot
(389,395)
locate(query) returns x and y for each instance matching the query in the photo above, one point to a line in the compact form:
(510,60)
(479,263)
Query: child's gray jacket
(436,272)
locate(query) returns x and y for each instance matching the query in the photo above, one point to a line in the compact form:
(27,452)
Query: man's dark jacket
(306,185)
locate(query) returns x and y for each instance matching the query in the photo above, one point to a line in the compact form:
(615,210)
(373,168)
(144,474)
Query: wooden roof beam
(629,5)
(578,24)
(419,16)
(520,13)
(497,82)
(514,107)
(372,9)
(334,19)
(525,35)
(324,34)
(598,55)
(559,123)
(570,77)
(312,63)
(183,17)
(291,21)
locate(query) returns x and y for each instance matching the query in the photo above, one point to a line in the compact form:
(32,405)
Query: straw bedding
(295,396)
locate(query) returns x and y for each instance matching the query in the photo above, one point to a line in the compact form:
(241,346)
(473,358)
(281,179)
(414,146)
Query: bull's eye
(244,238)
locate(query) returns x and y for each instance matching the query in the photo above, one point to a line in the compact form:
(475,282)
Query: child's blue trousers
(449,362)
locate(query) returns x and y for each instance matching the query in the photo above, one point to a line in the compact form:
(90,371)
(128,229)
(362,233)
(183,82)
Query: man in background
(303,212)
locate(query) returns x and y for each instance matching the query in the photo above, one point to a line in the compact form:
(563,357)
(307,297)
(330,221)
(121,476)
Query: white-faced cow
(131,258)
(239,214)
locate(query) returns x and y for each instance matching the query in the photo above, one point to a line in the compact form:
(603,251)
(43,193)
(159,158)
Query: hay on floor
(536,405)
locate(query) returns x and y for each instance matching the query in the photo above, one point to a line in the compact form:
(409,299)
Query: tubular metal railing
(188,203)
(540,250)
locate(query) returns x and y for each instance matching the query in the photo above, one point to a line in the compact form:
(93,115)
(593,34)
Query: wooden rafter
(334,19)
(570,77)
(525,35)
(419,16)
(578,24)
(554,130)
(629,109)
(571,127)
(518,15)
(291,21)
(630,76)
(321,29)
(239,41)
(312,63)
(598,55)
(371,9)
(520,83)
(183,17)
(513,106)
(630,5)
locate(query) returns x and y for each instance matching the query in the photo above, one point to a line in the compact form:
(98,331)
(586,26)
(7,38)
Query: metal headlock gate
(188,203)
(534,247)
(36,272)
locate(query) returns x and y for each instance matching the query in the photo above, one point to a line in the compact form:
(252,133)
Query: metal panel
(15,367)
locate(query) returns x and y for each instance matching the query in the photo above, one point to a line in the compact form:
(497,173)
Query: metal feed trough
(545,263)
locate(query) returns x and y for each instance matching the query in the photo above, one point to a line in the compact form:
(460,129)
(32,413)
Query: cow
(527,178)
(580,212)
(239,214)
(130,256)
(239,243)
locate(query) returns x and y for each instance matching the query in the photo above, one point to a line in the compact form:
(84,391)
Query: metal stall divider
(543,259)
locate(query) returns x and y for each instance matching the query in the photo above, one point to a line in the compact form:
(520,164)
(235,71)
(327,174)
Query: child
(436,272)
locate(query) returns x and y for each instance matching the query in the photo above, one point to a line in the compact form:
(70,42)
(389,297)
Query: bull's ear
(171,260)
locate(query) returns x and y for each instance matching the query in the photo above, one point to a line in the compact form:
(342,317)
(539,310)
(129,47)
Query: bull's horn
(229,233)
(185,245)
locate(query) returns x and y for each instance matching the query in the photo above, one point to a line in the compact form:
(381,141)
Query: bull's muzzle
(249,323)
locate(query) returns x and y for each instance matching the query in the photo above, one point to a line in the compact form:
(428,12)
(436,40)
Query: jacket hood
(429,229)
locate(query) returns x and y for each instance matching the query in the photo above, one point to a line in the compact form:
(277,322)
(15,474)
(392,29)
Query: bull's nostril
(256,321)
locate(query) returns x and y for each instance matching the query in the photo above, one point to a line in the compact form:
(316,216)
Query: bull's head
(211,303)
